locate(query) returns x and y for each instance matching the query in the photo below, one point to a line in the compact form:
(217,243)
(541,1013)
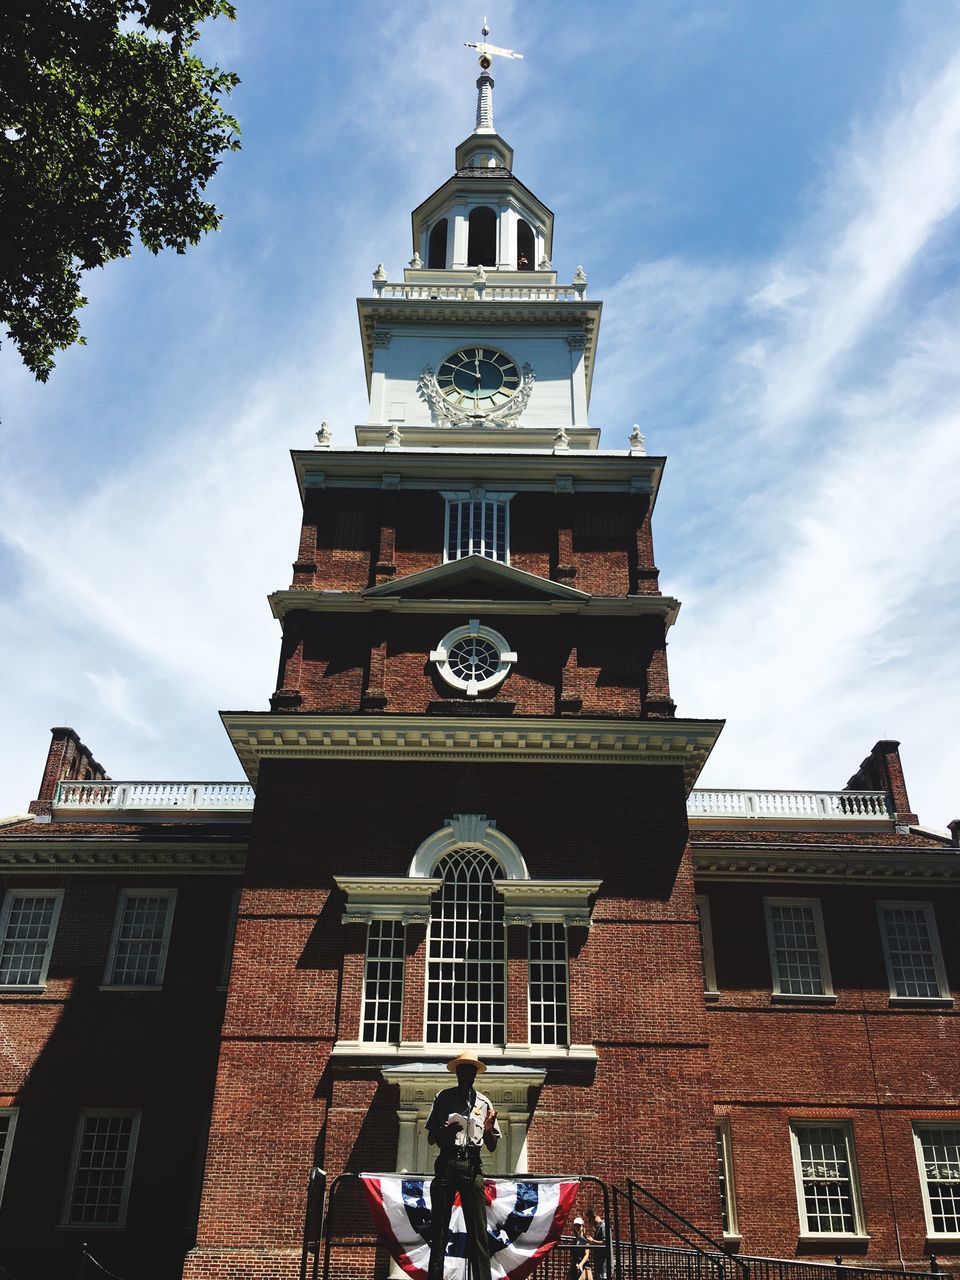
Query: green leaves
(110,129)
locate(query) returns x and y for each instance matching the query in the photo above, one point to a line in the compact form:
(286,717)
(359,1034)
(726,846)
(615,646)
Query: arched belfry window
(526,247)
(482,238)
(437,248)
(466,954)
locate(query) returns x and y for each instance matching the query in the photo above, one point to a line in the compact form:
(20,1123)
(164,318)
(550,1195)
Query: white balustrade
(490,292)
(104,796)
(796,805)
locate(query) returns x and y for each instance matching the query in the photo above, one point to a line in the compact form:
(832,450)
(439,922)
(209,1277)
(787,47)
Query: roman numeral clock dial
(478,379)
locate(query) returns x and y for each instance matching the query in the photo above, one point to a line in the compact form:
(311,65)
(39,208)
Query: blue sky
(765,196)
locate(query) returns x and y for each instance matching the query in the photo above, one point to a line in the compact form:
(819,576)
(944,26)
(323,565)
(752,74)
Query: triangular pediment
(476,578)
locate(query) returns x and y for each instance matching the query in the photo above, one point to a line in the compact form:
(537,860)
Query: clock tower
(470,825)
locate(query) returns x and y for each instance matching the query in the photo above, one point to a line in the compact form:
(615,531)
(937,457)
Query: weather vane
(486,51)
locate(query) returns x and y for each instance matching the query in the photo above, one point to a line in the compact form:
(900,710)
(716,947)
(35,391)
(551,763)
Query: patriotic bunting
(524,1222)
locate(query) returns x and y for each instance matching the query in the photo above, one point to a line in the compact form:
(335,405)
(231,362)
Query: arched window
(482,241)
(466,954)
(437,248)
(526,246)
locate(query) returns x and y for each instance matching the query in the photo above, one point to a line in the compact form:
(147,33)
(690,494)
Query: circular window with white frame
(473,658)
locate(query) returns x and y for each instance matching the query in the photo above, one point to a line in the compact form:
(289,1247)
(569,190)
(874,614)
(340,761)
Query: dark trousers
(453,1173)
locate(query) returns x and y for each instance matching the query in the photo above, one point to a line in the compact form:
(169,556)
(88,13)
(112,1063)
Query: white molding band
(469,829)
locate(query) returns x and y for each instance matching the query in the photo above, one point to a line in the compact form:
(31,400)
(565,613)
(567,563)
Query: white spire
(484,103)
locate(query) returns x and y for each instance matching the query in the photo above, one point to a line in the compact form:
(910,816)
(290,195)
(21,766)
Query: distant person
(462,1122)
(597,1239)
(581,1266)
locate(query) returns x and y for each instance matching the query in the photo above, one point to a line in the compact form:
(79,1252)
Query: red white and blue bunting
(524,1222)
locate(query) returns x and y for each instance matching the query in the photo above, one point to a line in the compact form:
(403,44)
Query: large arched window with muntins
(482,238)
(466,953)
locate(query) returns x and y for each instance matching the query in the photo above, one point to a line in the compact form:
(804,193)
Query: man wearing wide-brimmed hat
(462,1122)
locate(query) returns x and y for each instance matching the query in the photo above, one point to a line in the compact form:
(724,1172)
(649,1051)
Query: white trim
(732,1231)
(710,987)
(226,964)
(66,1220)
(5,912)
(918,1127)
(473,830)
(366,970)
(122,899)
(936,953)
(13,1113)
(846,1128)
(472,686)
(453,497)
(826,979)
(565,1028)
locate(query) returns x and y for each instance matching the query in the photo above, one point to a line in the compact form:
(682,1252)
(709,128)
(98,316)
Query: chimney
(883,771)
(954,829)
(66,758)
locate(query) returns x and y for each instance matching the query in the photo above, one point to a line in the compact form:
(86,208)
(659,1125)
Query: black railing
(313,1222)
(659,1262)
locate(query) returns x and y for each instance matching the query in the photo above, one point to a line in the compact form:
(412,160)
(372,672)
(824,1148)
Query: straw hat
(466,1059)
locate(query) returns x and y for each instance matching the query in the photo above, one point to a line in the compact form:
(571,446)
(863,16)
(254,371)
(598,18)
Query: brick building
(475,824)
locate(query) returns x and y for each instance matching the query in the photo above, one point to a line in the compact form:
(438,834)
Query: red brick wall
(75,1047)
(858,1060)
(605,664)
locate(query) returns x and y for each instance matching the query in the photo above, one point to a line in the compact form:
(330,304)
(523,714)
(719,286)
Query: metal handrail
(313,1220)
(717,1247)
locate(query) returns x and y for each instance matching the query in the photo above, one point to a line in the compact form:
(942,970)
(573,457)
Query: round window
(473,658)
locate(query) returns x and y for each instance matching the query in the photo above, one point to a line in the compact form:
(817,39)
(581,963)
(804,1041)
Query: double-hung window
(477,523)
(938,1157)
(798,952)
(828,1199)
(101,1168)
(28,923)
(8,1122)
(383,981)
(141,936)
(728,1198)
(705,927)
(549,1022)
(911,949)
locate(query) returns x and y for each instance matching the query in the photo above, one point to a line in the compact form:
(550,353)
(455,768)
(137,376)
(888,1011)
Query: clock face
(478,378)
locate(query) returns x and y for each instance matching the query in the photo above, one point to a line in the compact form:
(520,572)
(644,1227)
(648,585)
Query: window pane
(796,950)
(26,938)
(825,1173)
(138,958)
(910,947)
(98,1186)
(466,959)
(477,528)
(383,986)
(941,1169)
(548,984)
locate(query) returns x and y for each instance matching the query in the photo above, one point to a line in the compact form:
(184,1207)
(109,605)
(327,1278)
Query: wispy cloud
(811,515)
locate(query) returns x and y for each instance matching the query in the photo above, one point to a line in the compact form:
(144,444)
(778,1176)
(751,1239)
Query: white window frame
(710,988)
(13,1113)
(441,656)
(564,1028)
(729,1196)
(366,971)
(453,497)
(226,963)
(122,899)
(827,996)
(859,1233)
(6,910)
(67,1222)
(919,1127)
(936,953)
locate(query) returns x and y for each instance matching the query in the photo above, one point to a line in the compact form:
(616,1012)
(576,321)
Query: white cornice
(387,898)
(567,314)
(454,467)
(106,855)
(506,438)
(265,735)
(526,902)
(801,863)
(284,602)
